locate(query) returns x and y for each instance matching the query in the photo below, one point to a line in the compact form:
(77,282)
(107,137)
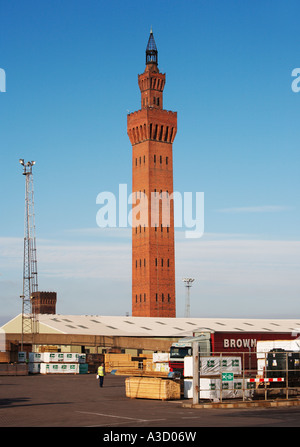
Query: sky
(71,79)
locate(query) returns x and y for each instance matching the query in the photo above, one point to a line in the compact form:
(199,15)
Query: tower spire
(151,50)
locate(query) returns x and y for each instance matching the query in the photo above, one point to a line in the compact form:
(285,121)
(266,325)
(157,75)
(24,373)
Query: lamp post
(188,284)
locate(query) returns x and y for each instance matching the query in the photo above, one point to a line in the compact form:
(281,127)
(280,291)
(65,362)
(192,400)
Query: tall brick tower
(151,131)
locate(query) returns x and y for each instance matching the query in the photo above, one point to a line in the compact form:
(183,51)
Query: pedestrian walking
(101,374)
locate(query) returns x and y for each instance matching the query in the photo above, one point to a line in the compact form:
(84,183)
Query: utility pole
(188,284)
(30,278)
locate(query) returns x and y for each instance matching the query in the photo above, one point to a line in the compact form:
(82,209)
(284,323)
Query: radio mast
(30,278)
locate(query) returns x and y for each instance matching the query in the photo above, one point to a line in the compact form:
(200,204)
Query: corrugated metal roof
(159,327)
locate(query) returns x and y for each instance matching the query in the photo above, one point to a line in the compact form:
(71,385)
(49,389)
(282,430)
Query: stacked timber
(152,388)
(140,373)
(143,365)
(120,362)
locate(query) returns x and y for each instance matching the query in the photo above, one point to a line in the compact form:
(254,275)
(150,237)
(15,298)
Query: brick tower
(151,131)
(43,302)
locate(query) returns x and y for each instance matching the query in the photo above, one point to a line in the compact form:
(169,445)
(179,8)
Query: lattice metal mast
(30,277)
(188,284)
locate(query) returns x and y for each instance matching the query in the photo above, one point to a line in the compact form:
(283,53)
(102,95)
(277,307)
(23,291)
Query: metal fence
(242,376)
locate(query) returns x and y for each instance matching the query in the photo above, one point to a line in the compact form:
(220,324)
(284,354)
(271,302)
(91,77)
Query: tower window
(169,298)
(161,133)
(158,101)
(144,297)
(156,297)
(160,159)
(154,158)
(155,262)
(162,297)
(162,262)
(167,160)
(168,262)
(166,135)
(136,298)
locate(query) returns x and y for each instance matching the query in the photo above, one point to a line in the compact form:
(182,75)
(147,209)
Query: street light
(188,283)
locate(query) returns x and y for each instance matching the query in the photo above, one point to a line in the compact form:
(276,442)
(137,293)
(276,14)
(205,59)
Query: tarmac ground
(78,401)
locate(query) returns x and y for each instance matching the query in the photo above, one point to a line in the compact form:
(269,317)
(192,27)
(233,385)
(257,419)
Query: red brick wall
(44,302)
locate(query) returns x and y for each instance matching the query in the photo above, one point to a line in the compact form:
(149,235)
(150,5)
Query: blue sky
(71,77)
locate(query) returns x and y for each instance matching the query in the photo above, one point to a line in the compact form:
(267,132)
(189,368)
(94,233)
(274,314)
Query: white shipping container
(71,357)
(188,366)
(59,368)
(53,357)
(211,389)
(210,365)
(213,365)
(36,357)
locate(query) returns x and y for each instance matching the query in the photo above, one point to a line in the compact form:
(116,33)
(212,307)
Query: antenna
(30,279)
(188,284)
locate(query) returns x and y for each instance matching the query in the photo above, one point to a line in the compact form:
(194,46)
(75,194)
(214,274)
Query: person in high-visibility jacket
(101,374)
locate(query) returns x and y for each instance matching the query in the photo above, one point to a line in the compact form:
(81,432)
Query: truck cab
(184,347)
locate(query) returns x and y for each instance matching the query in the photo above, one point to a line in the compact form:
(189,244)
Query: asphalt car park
(78,401)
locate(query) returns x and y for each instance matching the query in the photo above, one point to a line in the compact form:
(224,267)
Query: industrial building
(137,335)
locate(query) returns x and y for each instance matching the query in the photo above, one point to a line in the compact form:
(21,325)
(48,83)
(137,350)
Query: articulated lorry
(184,347)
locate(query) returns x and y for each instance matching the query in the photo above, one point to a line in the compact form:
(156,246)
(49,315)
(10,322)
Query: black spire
(151,50)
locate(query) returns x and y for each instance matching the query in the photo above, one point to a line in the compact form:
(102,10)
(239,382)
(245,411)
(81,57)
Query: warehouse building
(137,335)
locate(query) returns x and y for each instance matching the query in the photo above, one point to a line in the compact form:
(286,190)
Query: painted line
(123,423)
(112,416)
(119,417)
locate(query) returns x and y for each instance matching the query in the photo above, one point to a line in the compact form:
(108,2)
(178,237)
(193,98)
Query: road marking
(112,416)
(123,423)
(119,417)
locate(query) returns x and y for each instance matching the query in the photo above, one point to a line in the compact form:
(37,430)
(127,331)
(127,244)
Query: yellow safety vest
(100,371)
